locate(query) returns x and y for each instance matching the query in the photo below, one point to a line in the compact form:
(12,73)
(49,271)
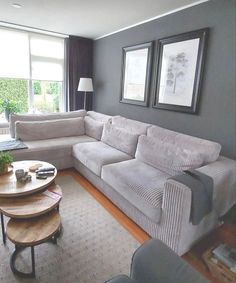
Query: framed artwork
(136,74)
(179,69)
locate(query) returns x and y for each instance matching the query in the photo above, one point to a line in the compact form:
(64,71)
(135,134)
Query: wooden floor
(194,256)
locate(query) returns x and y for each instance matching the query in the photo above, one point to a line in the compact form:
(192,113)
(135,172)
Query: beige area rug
(93,246)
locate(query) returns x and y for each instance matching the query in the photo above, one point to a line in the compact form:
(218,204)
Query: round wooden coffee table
(32,205)
(31,232)
(33,208)
(9,187)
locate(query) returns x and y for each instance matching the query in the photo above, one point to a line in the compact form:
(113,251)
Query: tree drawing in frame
(176,70)
(179,71)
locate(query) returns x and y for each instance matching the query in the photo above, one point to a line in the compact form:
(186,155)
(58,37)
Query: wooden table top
(9,187)
(33,231)
(32,205)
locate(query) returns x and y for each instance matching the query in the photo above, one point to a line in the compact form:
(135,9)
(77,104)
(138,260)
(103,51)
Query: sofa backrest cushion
(132,126)
(207,150)
(93,128)
(42,117)
(41,130)
(119,139)
(165,156)
(99,116)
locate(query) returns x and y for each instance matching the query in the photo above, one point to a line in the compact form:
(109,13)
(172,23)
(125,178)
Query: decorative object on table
(218,269)
(86,85)
(136,74)
(35,167)
(179,71)
(22,176)
(5,161)
(8,106)
(19,173)
(44,172)
(9,181)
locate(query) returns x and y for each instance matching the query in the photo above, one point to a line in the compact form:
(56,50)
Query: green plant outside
(5,160)
(10,106)
(15,90)
(37,88)
(47,96)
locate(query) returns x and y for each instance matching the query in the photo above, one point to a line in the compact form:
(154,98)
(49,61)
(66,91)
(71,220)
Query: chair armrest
(121,279)
(155,262)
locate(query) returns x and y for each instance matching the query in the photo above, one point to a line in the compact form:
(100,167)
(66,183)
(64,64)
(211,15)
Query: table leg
(33,261)
(13,267)
(3,229)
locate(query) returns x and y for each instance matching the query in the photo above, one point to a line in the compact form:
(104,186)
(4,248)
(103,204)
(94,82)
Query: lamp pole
(85,99)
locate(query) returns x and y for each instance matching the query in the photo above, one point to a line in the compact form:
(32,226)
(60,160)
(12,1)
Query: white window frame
(62,62)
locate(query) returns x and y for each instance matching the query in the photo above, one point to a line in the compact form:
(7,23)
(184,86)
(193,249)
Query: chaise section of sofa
(57,151)
(50,139)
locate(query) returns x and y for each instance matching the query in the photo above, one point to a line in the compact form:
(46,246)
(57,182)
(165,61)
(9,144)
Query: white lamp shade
(85,84)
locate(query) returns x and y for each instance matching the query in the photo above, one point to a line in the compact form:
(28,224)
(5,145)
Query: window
(32,70)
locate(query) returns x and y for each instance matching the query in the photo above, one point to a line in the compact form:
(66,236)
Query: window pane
(47,96)
(47,71)
(15,90)
(14,54)
(47,47)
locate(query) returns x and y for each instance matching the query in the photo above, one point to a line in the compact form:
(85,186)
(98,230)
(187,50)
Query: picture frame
(136,74)
(179,71)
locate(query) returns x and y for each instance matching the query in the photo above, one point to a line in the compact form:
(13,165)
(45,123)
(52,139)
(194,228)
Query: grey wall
(216,119)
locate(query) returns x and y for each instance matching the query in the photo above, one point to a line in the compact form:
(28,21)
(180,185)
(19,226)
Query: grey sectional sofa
(134,164)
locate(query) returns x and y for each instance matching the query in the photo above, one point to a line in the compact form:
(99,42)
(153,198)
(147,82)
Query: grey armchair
(154,262)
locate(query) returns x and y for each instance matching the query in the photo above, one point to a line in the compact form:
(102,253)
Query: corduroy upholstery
(141,184)
(42,117)
(142,187)
(97,154)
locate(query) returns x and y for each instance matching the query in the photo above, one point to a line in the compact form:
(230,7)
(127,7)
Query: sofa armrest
(175,229)
(176,208)
(155,262)
(223,173)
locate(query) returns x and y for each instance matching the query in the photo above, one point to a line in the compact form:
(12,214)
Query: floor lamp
(86,85)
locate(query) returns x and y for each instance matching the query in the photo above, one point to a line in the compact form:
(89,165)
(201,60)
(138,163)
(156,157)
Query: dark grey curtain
(79,53)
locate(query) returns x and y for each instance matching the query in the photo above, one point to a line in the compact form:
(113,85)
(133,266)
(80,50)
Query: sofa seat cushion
(95,155)
(141,184)
(49,149)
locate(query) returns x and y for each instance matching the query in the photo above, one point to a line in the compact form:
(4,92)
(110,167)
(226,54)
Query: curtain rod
(30,29)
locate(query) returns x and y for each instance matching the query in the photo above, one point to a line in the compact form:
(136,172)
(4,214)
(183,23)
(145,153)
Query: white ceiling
(88,18)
